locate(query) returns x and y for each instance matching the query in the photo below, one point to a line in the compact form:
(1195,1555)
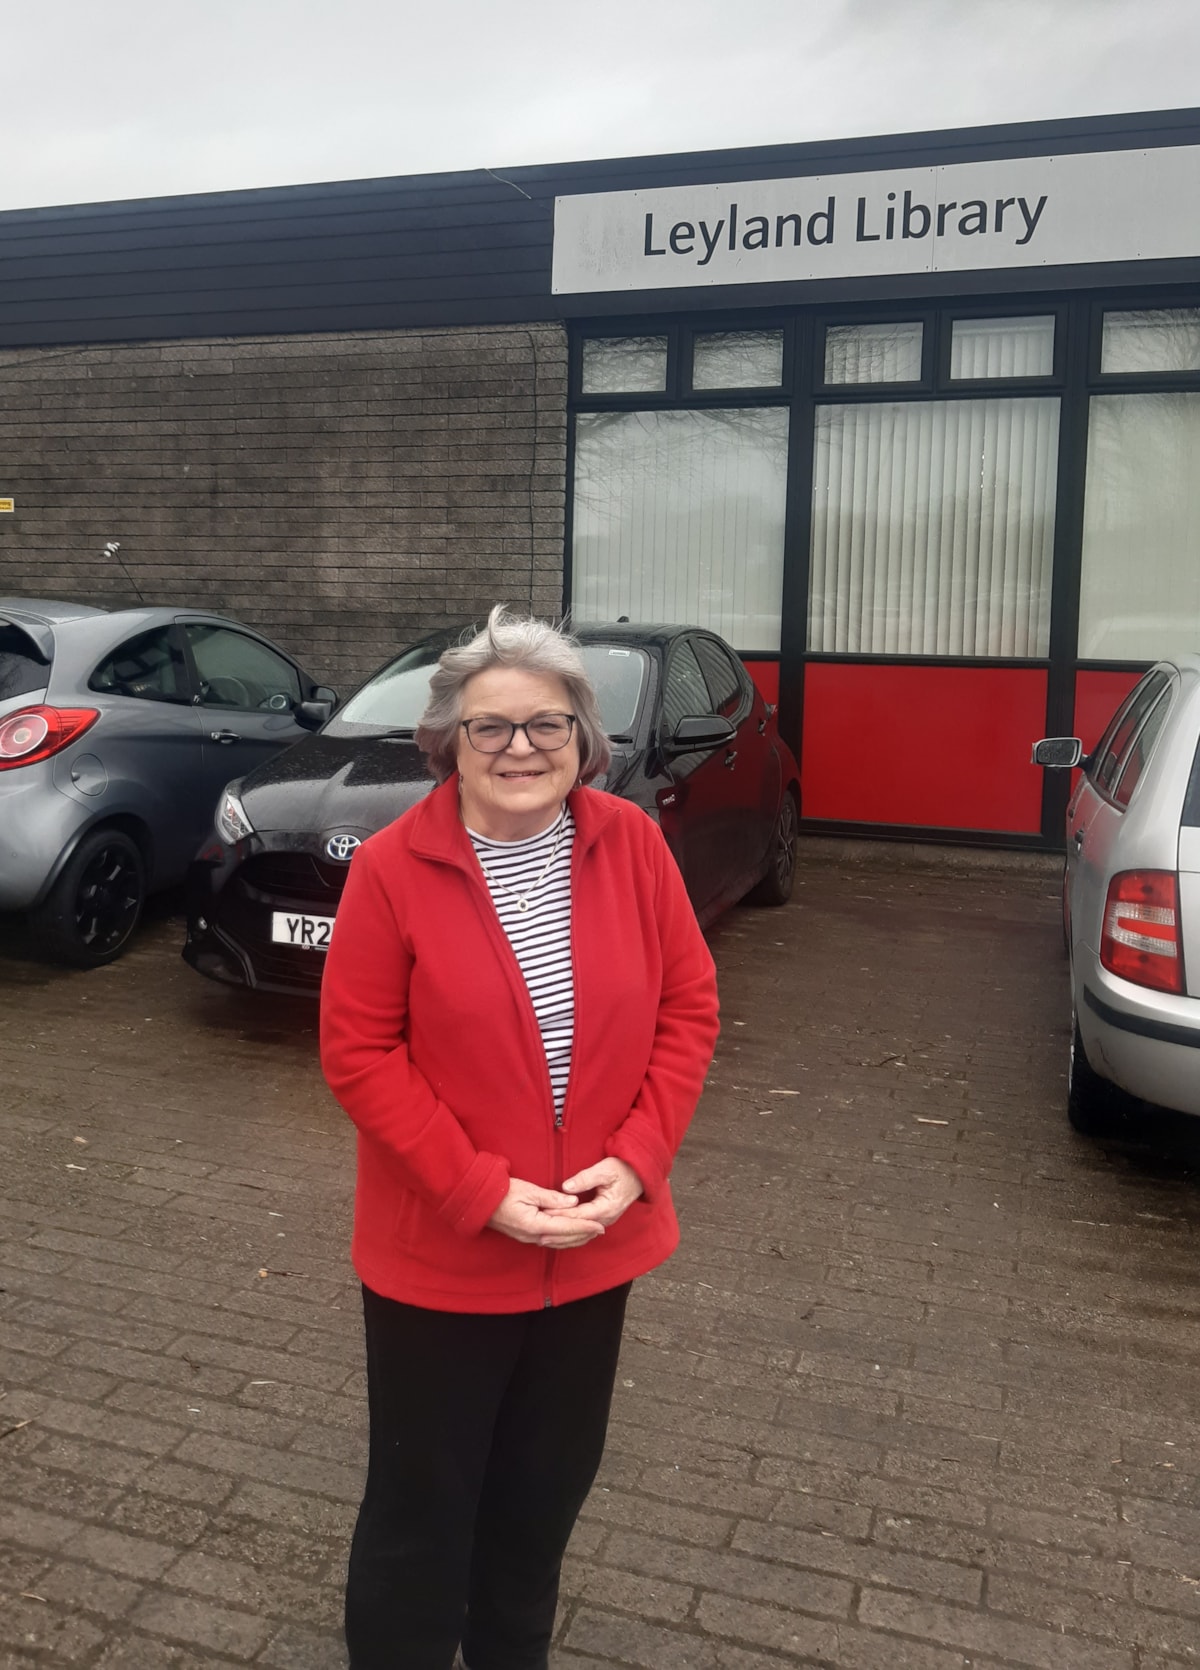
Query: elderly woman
(518,1012)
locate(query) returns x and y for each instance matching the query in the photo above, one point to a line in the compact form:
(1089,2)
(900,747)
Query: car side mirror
(698,731)
(310,716)
(1058,753)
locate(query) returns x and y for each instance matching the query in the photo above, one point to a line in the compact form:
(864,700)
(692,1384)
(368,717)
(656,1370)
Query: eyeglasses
(547,733)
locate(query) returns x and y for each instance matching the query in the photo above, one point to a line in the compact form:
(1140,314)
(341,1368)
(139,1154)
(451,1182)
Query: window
(1022,347)
(873,353)
(737,359)
(1159,339)
(933,527)
(23,668)
(149,667)
(1110,751)
(685,694)
(239,672)
(724,684)
(1140,750)
(1140,582)
(618,676)
(678,516)
(624,365)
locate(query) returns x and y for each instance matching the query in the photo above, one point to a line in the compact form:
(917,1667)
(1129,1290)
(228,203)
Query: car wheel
(1095,1106)
(775,888)
(90,913)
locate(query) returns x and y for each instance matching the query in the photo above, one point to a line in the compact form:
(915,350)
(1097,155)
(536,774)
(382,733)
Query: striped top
(540,934)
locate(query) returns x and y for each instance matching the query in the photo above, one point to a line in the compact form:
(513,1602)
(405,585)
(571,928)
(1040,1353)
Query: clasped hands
(558,1219)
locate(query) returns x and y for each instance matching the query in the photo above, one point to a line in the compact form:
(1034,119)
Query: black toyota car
(693,743)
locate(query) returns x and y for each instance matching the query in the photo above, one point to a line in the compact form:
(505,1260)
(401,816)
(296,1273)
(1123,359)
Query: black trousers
(486,1433)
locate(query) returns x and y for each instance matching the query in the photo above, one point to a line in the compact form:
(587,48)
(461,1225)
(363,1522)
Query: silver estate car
(1131,903)
(118,731)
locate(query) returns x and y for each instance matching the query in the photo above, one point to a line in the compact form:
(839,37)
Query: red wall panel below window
(943,747)
(766,677)
(1097,698)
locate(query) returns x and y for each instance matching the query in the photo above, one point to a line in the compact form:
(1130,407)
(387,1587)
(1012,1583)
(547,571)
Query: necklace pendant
(522,904)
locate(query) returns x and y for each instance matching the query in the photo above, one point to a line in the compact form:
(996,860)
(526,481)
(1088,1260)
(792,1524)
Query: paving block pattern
(917,1393)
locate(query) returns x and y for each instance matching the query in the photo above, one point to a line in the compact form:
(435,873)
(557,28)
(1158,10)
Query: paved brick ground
(918,1393)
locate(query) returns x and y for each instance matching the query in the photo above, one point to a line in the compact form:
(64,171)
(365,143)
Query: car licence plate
(307,933)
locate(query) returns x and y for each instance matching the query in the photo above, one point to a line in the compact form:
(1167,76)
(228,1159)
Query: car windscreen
(618,675)
(23,667)
(395,698)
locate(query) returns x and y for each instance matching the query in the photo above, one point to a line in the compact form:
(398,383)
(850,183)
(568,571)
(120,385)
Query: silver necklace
(524,898)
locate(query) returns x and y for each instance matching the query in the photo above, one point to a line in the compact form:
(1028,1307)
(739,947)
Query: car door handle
(730,758)
(223,736)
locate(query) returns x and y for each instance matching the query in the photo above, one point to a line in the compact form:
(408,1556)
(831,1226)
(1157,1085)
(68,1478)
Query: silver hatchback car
(1131,902)
(118,732)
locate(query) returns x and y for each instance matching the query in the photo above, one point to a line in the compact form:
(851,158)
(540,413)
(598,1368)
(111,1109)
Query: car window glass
(22,668)
(721,675)
(685,694)
(238,672)
(1114,744)
(1191,803)
(1140,750)
(149,667)
(395,698)
(618,676)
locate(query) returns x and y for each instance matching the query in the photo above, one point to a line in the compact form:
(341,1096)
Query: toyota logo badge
(341,847)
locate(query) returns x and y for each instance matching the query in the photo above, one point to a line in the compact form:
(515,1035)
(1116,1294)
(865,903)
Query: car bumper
(1146,1042)
(232,895)
(38,824)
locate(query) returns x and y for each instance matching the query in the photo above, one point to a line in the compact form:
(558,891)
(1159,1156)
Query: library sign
(1028,212)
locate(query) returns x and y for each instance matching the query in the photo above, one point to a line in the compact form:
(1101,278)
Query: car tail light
(1141,939)
(34,733)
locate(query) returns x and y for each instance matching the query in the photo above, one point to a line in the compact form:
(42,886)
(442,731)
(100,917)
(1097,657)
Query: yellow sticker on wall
(7,506)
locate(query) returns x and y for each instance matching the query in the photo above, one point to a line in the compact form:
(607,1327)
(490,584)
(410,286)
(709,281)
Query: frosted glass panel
(1162,339)
(873,353)
(1002,347)
(678,516)
(737,360)
(933,528)
(625,365)
(1140,590)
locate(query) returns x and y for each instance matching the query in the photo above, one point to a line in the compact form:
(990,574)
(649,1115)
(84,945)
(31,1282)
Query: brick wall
(341,493)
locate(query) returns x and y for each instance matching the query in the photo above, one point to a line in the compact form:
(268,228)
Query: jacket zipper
(560,1115)
(474,871)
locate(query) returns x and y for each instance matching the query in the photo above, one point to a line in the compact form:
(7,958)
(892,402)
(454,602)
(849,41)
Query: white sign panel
(1028,212)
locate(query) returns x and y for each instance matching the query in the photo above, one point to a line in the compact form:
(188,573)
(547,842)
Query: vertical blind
(933,527)
(1021,347)
(678,516)
(1140,587)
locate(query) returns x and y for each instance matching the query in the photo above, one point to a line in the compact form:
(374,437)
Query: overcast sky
(108,99)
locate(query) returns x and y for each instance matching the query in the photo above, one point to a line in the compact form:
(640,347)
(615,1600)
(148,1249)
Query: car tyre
(1095,1106)
(775,888)
(91,912)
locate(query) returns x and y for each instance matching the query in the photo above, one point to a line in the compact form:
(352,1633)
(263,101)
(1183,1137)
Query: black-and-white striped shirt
(540,934)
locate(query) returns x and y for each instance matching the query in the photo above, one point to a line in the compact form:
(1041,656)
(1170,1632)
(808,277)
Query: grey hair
(510,640)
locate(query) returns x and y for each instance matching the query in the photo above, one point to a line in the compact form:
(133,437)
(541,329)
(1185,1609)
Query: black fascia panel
(902,287)
(478,241)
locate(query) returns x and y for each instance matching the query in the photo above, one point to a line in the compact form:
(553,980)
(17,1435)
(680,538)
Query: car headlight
(232,823)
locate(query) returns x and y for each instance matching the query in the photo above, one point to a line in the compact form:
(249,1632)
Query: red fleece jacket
(430,1043)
